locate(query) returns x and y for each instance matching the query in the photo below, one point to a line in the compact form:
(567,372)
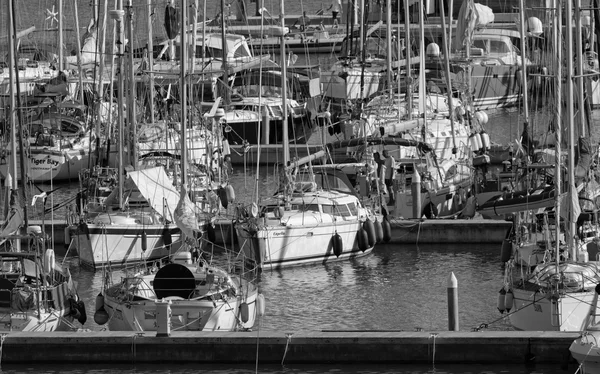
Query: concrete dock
(319,347)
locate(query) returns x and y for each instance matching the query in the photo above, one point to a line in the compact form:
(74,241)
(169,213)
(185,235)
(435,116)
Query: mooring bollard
(415,191)
(452,303)
(163,318)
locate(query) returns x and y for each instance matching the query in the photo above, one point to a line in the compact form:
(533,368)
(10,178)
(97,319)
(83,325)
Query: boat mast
(558,118)
(408,49)
(572,192)
(388,23)
(60,35)
(284,106)
(13,103)
(226,96)
(580,80)
(131,97)
(447,70)
(183,95)
(150,59)
(78,36)
(13,108)
(121,90)
(523,65)
(18,125)
(101,31)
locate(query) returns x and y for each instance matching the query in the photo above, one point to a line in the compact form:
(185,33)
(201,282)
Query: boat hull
(186,315)
(285,246)
(44,165)
(587,353)
(121,244)
(536,311)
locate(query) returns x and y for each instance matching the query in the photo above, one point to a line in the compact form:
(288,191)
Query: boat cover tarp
(157,189)
(185,216)
(585,158)
(470,16)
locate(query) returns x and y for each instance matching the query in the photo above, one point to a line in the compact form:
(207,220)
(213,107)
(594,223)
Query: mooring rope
(2,337)
(289,339)
(433,335)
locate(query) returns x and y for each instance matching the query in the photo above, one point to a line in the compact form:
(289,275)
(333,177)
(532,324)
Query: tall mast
(286,144)
(60,35)
(569,122)
(121,91)
(580,85)
(407,44)
(523,64)
(183,94)
(101,28)
(226,96)
(150,59)
(557,22)
(445,44)
(18,125)
(131,97)
(388,28)
(13,102)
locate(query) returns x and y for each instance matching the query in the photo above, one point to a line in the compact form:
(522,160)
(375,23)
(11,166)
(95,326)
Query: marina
(337,186)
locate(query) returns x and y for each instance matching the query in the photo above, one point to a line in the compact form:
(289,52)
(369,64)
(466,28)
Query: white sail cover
(470,16)
(185,216)
(157,189)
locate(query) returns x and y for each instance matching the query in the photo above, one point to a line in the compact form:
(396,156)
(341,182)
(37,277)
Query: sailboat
(314,217)
(557,293)
(36,294)
(202,297)
(126,216)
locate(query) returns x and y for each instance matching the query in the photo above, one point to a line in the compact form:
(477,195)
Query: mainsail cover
(470,16)
(157,189)
(185,216)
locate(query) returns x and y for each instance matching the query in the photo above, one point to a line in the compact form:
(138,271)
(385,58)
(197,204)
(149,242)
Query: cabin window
(498,46)
(353,209)
(306,207)
(343,210)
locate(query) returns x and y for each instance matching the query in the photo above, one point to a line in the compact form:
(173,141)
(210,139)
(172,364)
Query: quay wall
(449,231)
(321,347)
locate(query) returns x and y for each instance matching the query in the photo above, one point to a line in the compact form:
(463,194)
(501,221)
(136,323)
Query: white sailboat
(125,218)
(36,294)
(201,297)
(312,219)
(558,293)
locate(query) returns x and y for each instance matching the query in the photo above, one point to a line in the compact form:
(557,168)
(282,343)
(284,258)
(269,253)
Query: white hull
(349,88)
(586,351)
(534,311)
(44,165)
(283,246)
(120,244)
(186,315)
(29,321)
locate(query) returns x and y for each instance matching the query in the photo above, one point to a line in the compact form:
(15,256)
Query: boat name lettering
(48,161)
(279,233)
(18,315)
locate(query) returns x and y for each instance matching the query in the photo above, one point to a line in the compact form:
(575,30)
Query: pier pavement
(307,347)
